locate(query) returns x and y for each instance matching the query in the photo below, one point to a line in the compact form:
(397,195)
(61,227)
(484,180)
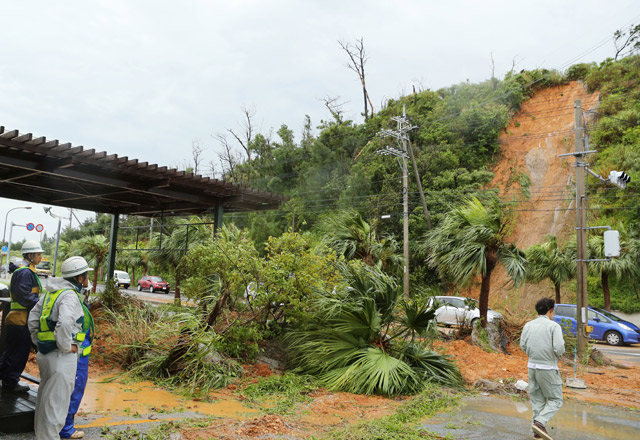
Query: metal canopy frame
(38,170)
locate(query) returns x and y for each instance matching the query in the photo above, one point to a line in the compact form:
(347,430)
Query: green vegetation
(364,339)
(280,394)
(549,261)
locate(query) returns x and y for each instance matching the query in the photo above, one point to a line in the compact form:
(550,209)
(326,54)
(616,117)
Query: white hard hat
(31,247)
(74,266)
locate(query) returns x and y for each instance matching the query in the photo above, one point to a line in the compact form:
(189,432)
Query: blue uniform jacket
(22,288)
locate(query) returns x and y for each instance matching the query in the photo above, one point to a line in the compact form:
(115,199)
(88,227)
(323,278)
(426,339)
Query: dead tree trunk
(357,61)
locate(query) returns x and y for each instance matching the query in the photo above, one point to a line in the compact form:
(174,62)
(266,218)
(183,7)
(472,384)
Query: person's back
(56,324)
(542,341)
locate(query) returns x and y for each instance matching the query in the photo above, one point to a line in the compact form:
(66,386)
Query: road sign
(30,226)
(5,249)
(39,228)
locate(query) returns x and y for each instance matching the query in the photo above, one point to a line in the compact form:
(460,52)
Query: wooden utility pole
(581,232)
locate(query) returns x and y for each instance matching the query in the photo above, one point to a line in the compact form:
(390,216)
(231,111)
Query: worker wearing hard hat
(59,326)
(25,289)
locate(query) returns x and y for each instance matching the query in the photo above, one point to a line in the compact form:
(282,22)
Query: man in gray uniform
(542,340)
(56,326)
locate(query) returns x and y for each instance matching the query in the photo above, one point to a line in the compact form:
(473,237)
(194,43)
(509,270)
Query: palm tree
(349,235)
(363,339)
(548,261)
(96,248)
(621,267)
(470,242)
(175,245)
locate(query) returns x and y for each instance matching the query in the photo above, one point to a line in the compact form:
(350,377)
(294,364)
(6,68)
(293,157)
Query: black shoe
(16,390)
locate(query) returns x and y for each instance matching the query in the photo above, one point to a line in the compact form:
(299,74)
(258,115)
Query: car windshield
(44,265)
(156,279)
(609,315)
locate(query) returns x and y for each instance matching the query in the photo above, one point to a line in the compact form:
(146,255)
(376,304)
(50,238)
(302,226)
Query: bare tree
(623,40)
(494,80)
(247,126)
(212,169)
(513,65)
(357,61)
(334,107)
(196,153)
(229,159)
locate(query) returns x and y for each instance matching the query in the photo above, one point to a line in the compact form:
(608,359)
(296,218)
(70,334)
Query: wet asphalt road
(627,354)
(496,418)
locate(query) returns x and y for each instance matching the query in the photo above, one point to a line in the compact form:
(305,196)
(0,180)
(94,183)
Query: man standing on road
(543,343)
(57,326)
(25,289)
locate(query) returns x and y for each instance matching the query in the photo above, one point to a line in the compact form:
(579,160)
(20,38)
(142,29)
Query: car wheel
(126,286)
(151,289)
(613,338)
(166,292)
(139,288)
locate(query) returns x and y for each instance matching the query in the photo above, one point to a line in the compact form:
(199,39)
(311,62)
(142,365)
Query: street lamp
(55,255)
(4,233)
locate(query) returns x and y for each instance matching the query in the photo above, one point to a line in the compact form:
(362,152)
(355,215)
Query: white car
(121,278)
(453,310)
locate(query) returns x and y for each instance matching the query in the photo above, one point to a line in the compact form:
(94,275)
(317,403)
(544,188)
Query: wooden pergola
(39,170)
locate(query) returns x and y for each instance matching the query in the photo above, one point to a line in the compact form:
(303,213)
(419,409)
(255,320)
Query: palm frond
(373,371)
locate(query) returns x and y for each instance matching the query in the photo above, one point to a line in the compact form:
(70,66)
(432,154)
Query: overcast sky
(145,78)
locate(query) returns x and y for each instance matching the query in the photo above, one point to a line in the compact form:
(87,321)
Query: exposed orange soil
(530,145)
(605,384)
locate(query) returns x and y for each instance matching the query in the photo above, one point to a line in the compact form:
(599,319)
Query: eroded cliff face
(537,183)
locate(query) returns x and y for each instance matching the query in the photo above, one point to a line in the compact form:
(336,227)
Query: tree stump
(492,338)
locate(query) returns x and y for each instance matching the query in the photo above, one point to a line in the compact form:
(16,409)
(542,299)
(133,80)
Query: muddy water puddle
(114,399)
(501,418)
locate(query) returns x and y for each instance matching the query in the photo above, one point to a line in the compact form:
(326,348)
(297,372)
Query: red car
(153,283)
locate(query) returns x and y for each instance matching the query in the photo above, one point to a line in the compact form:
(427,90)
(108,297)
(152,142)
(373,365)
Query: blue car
(606,326)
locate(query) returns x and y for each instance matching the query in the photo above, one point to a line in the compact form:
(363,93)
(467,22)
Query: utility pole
(617,178)
(401,135)
(405,225)
(581,232)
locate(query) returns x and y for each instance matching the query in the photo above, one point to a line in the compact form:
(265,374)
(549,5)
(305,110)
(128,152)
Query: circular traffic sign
(30,226)
(39,228)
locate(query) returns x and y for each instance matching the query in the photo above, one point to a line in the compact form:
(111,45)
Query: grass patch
(404,424)
(283,392)
(161,431)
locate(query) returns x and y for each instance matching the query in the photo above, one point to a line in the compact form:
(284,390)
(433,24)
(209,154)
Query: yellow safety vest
(46,337)
(15,305)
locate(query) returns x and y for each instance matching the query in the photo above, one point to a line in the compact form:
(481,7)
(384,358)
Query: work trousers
(82,374)
(16,354)
(545,393)
(57,378)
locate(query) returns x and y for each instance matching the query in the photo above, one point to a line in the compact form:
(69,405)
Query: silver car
(458,310)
